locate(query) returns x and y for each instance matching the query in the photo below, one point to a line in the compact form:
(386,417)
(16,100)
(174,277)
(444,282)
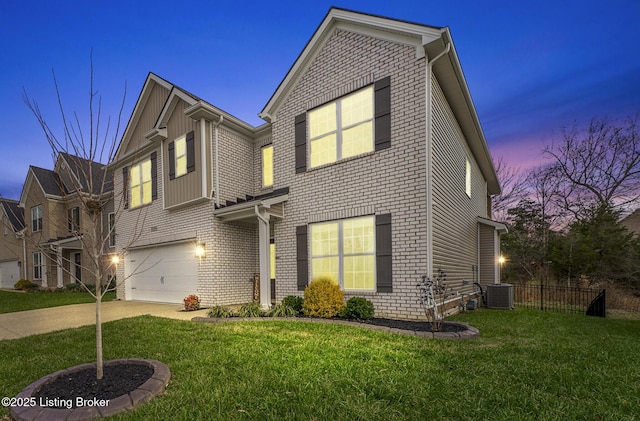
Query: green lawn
(525,365)
(11,301)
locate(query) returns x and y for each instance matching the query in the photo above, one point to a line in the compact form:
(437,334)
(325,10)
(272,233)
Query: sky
(531,67)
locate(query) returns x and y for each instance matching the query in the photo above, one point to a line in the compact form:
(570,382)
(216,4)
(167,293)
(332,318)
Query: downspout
(24,256)
(429,160)
(217,172)
(203,156)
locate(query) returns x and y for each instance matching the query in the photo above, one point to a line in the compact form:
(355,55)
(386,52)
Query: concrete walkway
(34,322)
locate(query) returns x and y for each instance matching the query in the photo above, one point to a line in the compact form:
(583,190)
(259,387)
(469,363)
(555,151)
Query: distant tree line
(564,215)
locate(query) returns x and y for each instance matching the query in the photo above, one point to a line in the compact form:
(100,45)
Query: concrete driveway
(34,322)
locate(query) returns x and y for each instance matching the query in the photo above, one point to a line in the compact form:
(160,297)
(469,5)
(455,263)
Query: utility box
(500,296)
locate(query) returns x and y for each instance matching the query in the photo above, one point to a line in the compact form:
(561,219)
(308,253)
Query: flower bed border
(153,387)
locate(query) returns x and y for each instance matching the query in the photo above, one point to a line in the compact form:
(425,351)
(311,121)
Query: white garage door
(9,273)
(165,274)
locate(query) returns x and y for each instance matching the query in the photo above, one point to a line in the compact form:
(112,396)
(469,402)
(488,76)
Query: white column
(264,239)
(59,267)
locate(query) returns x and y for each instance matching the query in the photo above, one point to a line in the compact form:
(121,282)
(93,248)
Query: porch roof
(245,209)
(499,226)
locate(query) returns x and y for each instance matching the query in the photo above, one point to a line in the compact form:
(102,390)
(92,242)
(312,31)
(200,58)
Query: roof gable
(77,173)
(429,42)
(11,208)
(156,90)
(402,32)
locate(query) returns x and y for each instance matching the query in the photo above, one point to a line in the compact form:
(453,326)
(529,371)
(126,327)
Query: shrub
(192,303)
(322,298)
(294,302)
(25,285)
(76,287)
(282,310)
(251,309)
(358,308)
(220,312)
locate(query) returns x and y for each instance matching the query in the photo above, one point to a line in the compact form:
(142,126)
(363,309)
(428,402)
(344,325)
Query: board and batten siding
(455,232)
(187,187)
(152,107)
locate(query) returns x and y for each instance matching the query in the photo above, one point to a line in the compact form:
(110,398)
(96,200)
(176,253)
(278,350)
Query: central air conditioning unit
(500,296)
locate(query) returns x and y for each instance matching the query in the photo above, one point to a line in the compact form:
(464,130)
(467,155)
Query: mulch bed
(117,380)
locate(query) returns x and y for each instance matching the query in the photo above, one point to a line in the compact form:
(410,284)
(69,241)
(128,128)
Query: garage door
(9,273)
(165,274)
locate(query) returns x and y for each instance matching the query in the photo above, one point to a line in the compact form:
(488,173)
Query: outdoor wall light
(200,250)
(502,260)
(115,259)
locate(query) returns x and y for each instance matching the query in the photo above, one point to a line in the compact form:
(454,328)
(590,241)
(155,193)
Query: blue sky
(531,67)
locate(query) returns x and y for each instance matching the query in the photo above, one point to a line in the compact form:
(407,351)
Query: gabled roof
(12,209)
(197,108)
(428,41)
(87,174)
(56,184)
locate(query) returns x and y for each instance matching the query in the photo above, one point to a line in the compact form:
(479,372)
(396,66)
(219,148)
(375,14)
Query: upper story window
(345,250)
(182,156)
(342,128)
(468,178)
(74,219)
(36,218)
(180,145)
(267,166)
(140,183)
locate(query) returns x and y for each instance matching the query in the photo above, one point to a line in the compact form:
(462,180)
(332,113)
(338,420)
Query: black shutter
(301,142)
(382,114)
(383,253)
(302,257)
(172,160)
(191,152)
(125,187)
(154,175)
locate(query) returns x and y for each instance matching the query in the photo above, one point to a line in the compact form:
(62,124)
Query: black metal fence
(561,299)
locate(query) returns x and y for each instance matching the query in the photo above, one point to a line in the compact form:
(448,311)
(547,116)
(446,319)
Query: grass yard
(11,301)
(526,365)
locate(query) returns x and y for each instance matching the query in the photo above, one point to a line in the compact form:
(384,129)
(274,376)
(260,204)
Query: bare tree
(599,166)
(85,144)
(514,188)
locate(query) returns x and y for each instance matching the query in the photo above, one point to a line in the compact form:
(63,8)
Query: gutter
(429,160)
(217,163)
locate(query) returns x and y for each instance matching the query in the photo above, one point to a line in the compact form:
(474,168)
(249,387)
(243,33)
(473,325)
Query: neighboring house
(57,227)
(632,222)
(11,243)
(371,167)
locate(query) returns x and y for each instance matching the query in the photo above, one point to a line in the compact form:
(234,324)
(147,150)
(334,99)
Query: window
(468,178)
(180,146)
(342,128)
(36,218)
(345,250)
(182,156)
(112,229)
(37,265)
(267,166)
(140,189)
(74,219)
(272,260)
